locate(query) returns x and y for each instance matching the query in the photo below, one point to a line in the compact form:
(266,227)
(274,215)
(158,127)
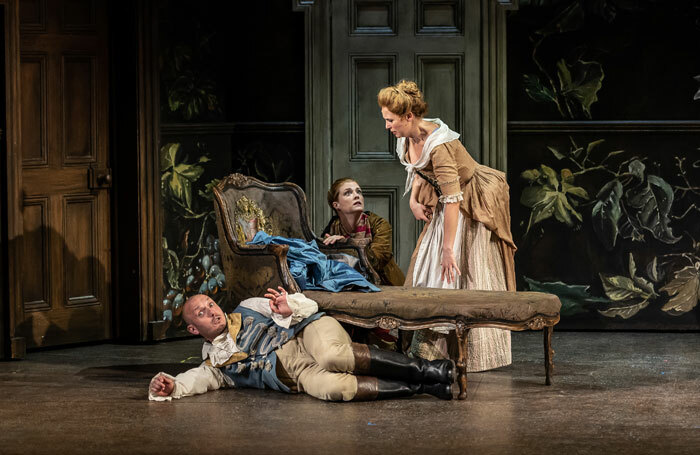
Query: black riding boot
(371,388)
(371,361)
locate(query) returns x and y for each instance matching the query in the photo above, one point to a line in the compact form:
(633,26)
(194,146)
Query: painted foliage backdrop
(604,161)
(231,100)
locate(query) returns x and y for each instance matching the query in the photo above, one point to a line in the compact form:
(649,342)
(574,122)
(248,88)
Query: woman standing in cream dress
(466,242)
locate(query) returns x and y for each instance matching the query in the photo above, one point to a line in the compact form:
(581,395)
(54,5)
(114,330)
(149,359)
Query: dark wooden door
(377,43)
(65,175)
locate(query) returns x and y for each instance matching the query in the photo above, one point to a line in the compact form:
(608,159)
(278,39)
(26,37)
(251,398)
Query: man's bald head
(203,317)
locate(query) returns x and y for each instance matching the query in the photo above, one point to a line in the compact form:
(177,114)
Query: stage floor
(612,393)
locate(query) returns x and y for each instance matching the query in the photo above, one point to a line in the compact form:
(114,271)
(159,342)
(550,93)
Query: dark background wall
(231,78)
(603,159)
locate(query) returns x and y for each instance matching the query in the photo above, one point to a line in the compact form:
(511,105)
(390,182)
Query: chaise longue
(245,205)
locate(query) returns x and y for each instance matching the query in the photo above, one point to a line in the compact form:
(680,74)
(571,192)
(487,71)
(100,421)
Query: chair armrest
(354,247)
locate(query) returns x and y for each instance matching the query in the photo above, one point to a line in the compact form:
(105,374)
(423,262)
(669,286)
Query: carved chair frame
(276,255)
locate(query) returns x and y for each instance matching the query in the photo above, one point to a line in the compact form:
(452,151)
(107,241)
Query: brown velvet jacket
(379,251)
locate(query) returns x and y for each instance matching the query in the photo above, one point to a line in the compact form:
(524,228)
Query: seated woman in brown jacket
(351,221)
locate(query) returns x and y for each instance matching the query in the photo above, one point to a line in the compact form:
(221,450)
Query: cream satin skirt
(481,263)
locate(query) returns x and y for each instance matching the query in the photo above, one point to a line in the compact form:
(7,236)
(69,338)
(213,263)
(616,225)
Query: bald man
(282,342)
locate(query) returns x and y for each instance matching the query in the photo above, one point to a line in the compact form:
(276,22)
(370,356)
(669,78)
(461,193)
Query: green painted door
(378,43)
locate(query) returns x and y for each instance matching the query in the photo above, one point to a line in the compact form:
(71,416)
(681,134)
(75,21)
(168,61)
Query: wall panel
(441,79)
(369,139)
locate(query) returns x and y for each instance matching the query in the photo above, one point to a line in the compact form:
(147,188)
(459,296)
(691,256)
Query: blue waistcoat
(258,337)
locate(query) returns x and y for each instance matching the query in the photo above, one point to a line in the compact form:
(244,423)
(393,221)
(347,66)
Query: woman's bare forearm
(450,229)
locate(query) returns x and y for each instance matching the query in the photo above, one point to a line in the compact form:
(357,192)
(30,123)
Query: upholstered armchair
(245,205)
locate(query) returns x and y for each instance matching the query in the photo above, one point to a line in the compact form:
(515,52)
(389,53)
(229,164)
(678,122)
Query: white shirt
(204,377)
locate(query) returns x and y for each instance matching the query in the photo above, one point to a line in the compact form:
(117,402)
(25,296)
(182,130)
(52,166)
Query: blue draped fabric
(311,269)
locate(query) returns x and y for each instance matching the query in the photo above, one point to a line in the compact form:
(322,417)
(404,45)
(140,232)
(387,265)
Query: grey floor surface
(612,393)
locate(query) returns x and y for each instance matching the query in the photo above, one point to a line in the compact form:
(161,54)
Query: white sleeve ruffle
(302,307)
(192,382)
(452,198)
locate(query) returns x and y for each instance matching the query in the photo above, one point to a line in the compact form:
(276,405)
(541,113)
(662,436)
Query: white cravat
(220,349)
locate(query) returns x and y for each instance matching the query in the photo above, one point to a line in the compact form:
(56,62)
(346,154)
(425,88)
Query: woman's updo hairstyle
(332,195)
(403,98)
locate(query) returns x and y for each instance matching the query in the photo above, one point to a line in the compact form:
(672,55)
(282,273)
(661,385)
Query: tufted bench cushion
(429,305)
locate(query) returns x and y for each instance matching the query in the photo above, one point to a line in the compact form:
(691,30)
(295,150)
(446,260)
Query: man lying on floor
(284,343)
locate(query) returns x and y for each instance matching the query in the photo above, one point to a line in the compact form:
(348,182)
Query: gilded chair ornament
(249,219)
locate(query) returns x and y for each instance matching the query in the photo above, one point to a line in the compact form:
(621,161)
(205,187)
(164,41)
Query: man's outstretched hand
(162,386)
(278,301)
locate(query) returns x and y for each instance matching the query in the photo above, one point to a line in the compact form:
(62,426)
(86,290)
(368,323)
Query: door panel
(377,43)
(36,286)
(66,260)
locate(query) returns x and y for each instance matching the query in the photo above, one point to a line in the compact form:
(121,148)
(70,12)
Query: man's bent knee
(344,390)
(336,358)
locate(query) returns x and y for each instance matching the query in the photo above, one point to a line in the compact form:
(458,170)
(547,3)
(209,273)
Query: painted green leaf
(620,288)
(606,213)
(546,200)
(625,311)
(566,176)
(574,149)
(563,210)
(189,171)
(171,264)
(181,189)
(168,153)
(630,294)
(649,205)
(551,176)
(592,145)
(654,271)
(640,281)
(574,298)
(575,190)
(579,84)
(531,175)
(636,168)
(537,91)
(543,209)
(532,195)
(208,192)
(611,154)
(556,153)
(684,291)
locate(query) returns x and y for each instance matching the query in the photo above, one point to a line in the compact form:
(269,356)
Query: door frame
(134,138)
(12,296)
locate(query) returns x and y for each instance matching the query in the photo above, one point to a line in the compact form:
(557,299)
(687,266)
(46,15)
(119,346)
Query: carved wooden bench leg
(548,355)
(462,334)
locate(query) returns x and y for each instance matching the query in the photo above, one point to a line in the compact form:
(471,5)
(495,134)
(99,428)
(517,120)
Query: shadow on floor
(137,373)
